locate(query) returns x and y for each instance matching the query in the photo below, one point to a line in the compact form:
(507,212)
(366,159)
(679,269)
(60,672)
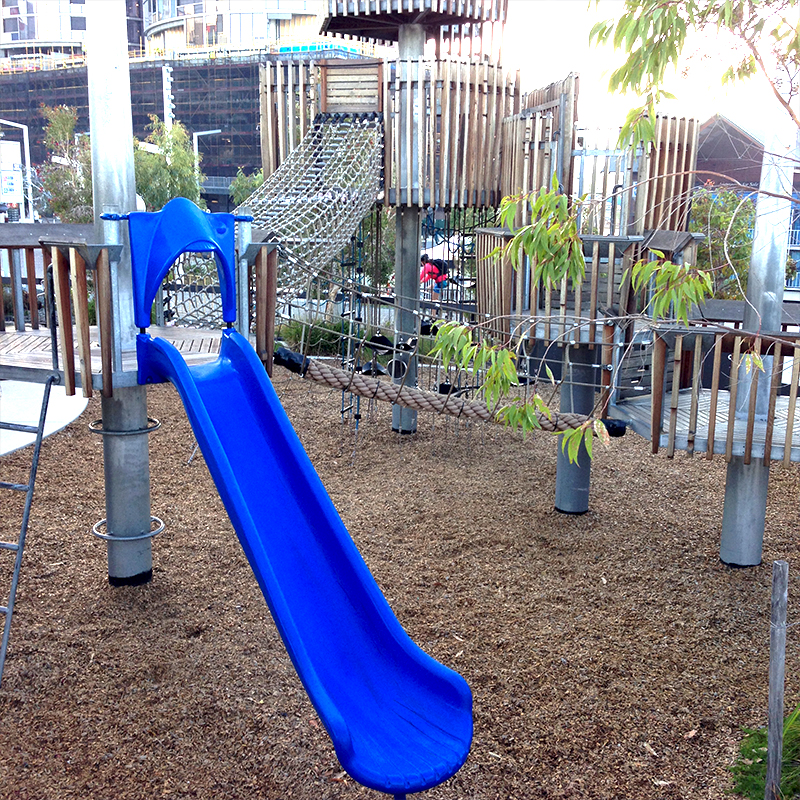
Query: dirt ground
(611,655)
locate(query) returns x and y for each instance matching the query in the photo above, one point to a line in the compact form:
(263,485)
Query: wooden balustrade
(755,415)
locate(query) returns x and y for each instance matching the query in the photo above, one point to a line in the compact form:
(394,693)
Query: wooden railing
(511,304)
(709,391)
(68,301)
(16,282)
(70,266)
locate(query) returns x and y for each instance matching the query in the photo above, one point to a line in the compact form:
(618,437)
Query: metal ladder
(18,546)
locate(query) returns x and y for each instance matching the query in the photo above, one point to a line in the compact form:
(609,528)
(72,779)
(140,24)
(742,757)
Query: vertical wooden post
(80,302)
(712,411)
(657,389)
(15,271)
(775,384)
(61,280)
(673,405)
(777,656)
(45,266)
(789,440)
(607,361)
(266,301)
(103,306)
(733,394)
(2,304)
(33,300)
(751,408)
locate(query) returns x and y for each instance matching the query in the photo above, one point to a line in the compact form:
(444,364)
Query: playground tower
(414,177)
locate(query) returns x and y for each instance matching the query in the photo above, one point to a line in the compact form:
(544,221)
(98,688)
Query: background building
(173,26)
(55,27)
(212,47)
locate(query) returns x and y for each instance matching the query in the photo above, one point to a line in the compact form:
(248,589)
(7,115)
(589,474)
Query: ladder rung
(9,546)
(3,610)
(17,487)
(13,426)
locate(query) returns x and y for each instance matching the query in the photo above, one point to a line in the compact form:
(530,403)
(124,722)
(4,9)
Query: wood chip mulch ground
(611,655)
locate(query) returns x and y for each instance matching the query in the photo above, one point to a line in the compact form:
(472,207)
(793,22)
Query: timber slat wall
(288,93)
(494,288)
(559,100)
(457,162)
(509,302)
(469,10)
(455,112)
(462,27)
(529,155)
(666,179)
(353,86)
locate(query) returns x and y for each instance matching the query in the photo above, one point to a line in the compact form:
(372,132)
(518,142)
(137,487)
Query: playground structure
(508,304)
(456,136)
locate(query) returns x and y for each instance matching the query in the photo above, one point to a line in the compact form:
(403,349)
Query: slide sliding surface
(400,721)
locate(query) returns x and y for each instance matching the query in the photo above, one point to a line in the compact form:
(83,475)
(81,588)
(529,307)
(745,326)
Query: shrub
(750,769)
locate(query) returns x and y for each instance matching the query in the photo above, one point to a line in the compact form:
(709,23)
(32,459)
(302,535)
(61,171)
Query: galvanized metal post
(577,396)
(745,507)
(125,448)
(244,238)
(411,44)
(16,288)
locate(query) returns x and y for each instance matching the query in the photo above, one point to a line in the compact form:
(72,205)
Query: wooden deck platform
(636,411)
(27,356)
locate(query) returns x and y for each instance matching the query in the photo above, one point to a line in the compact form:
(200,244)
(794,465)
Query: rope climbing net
(314,201)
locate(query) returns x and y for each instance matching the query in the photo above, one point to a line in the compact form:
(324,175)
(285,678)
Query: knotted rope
(409,397)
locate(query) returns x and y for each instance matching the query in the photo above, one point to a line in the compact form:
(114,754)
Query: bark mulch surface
(611,655)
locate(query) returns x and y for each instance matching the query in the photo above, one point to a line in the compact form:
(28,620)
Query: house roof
(727,153)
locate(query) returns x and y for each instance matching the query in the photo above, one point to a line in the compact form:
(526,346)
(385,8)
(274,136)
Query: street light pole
(195,136)
(27,150)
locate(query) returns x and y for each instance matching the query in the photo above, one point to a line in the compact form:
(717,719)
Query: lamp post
(27,153)
(195,136)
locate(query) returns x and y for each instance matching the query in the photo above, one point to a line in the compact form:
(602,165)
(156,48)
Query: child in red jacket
(433,269)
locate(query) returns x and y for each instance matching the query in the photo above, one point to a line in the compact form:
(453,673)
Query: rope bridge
(314,201)
(410,397)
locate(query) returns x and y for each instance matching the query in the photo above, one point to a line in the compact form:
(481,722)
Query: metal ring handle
(107,537)
(97,427)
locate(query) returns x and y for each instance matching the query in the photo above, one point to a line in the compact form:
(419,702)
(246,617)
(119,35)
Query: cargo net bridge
(311,206)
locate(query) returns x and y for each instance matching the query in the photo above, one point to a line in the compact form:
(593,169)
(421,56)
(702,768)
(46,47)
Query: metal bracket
(109,538)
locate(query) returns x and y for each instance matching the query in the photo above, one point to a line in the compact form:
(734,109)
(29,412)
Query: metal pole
(404,420)
(195,136)
(125,455)
(167,96)
(15,264)
(245,237)
(744,510)
(577,396)
(411,44)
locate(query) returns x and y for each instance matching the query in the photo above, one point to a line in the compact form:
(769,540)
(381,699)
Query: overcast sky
(548,39)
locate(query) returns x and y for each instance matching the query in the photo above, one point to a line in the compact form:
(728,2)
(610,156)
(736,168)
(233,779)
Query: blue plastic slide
(400,721)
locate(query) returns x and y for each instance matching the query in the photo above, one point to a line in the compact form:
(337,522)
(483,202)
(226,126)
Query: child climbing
(433,269)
